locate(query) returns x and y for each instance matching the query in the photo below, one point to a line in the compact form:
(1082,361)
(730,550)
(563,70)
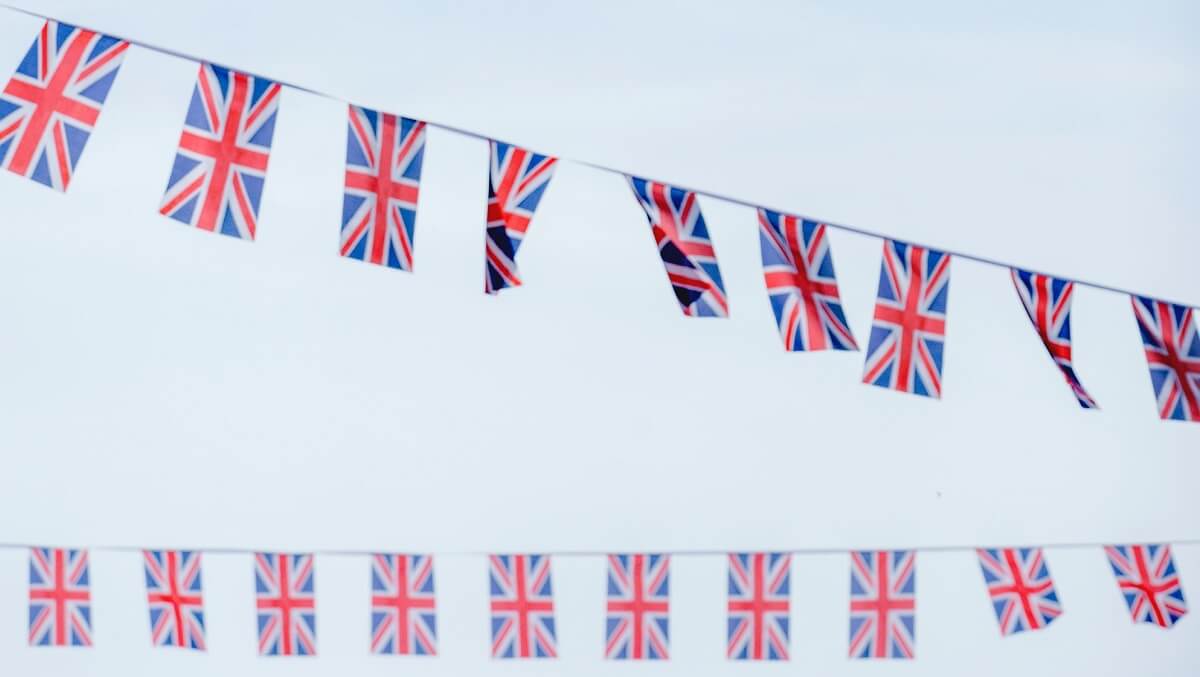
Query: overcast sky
(162,386)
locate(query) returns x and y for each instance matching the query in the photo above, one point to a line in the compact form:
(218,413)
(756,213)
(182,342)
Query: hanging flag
(909,331)
(1149,583)
(638,607)
(517,178)
(1021,589)
(883,604)
(759,598)
(174,592)
(383,177)
(403,613)
(798,267)
(1047,301)
(60,598)
(522,607)
(217,180)
(286,600)
(1173,354)
(52,103)
(684,246)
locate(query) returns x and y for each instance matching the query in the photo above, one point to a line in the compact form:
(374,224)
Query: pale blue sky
(174,388)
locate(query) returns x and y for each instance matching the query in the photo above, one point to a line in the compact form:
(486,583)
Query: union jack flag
(287,615)
(1149,583)
(638,607)
(522,607)
(798,268)
(52,103)
(1047,301)
(1173,354)
(684,247)
(383,178)
(1021,589)
(759,590)
(909,332)
(217,180)
(517,178)
(176,598)
(883,604)
(403,615)
(60,598)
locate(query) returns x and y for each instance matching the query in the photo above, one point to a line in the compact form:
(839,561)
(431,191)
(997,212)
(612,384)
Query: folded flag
(517,178)
(1021,588)
(1173,354)
(60,598)
(522,607)
(908,335)
(1149,583)
(636,627)
(684,246)
(1047,302)
(759,599)
(403,613)
(883,604)
(175,596)
(217,179)
(52,103)
(383,177)
(798,268)
(286,598)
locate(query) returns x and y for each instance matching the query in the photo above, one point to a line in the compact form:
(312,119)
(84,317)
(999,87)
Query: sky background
(166,387)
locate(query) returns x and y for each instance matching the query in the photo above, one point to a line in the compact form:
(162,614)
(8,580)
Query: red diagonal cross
(60,596)
(1183,368)
(882,605)
(758,606)
(522,605)
(401,602)
(1047,316)
(224,153)
(380,183)
(285,603)
(51,99)
(174,597)
(1145,585)
(1021,589)
(637,606)
(910,320)
(800,280)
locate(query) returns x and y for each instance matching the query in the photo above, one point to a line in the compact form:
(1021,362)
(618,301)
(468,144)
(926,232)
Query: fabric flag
(60,598)
(1021,589)
(52,103)
(1149,583)
(403,613)
(798,267)
(1047,301)
(175,596)
(759,599)
(217,180)
(1173,354)
(883,604)
(517,178)
(908,335)
(684,246)
(522,607)
(636,627)
(287,615)
(383,178)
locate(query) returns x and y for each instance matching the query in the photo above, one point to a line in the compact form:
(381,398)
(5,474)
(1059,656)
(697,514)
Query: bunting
(1149,583)
(759,601)
(522,607)
(637,625)
(1022,592)
(1173,355)
(60,598)
(517,179)
(287,614)
(403,607)
(176,599)
(883,606)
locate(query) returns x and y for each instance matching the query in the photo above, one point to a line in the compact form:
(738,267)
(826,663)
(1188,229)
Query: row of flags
(51,105)
(637,622)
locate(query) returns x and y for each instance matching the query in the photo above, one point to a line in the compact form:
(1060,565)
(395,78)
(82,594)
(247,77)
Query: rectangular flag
(60,598)
(883,604)
(1173,354)
(759,601)
(522,607)
(517,178)
(50,106)
(638,607)
(403,612)
(1047,302)
(217,179)
(1021,589)
(1149,583)
(175,595)
(286,599)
